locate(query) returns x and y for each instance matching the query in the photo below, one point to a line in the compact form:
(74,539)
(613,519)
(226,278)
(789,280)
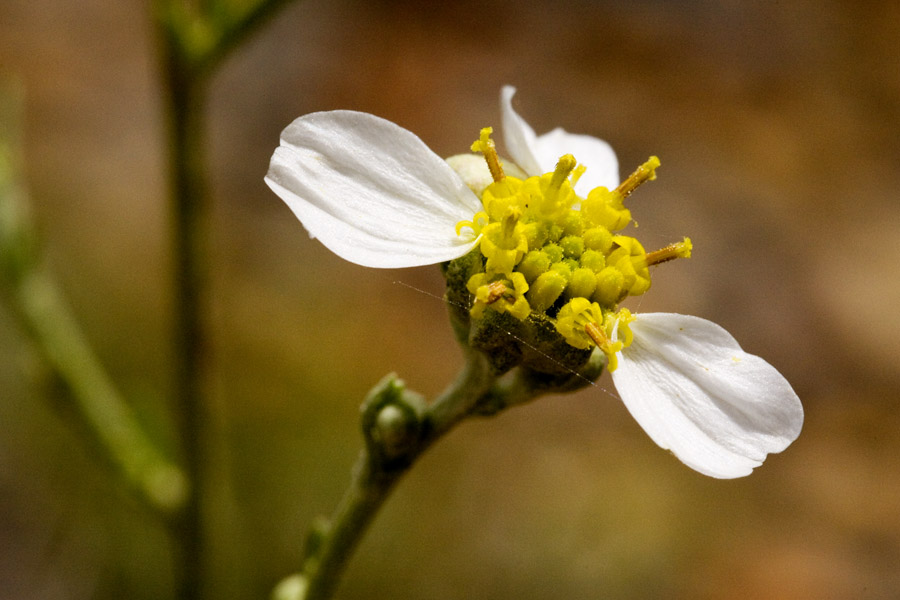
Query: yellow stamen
(510,220)
(670,252)
(486,146)
(561,173)
(577,173)
(645,172)
(595,332)
(478,222)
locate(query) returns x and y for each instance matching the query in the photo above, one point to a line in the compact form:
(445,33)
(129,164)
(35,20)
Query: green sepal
(498,336)
(457,272)
(547,351)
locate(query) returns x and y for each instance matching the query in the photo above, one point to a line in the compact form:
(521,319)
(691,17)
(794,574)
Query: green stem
(161,484)
(194,41)
(397,430)
(189,208)
(45,315)
(236,29)
(373,479)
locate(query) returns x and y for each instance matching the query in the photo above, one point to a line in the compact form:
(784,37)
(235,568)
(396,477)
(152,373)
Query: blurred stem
(189,207)
(195,37)
(234,29)
(47,319)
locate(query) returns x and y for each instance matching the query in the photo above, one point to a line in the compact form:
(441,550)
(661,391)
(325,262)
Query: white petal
(539,154)
(472,169)
(371,191)
(694,391)
(518,136)
(595,154)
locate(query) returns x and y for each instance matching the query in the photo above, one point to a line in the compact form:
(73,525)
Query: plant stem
(373,480)
(188,207)
(47,319)
(194,41)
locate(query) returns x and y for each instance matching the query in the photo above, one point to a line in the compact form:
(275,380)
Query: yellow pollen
(486,146)
(645,172)
(670,252)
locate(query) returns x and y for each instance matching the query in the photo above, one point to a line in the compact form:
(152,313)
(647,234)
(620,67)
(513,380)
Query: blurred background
(778,127)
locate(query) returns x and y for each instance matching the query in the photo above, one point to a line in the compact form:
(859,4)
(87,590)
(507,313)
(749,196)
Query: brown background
(778,126)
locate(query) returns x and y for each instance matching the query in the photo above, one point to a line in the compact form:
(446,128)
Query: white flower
(374,194)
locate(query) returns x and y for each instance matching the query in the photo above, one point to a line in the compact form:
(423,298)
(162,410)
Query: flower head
(545,247)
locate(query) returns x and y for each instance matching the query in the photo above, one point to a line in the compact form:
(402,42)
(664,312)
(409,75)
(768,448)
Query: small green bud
(293,587)
(593,260)
(533,265)
(572,246)
(598,238)
(391,422)
(554,252)
(610,282)
(546,289)
(582,283)
(396,429)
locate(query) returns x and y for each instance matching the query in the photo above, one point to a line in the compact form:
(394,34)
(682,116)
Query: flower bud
(572,246)
(598,238)
(546,289)
(610,282)
(533,265)
(582,283)
(593,260)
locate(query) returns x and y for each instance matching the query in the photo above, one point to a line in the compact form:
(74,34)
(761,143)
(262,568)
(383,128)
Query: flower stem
(373,480)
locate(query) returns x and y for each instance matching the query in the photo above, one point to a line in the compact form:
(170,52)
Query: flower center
(546,250)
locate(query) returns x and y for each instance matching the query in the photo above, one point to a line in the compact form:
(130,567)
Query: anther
(486,146)
(496,289)
(608,347)
(645,172)
(670,252)
(595,332)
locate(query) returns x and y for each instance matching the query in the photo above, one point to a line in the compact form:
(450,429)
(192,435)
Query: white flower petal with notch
(692,388)
(371,191)
(537,155)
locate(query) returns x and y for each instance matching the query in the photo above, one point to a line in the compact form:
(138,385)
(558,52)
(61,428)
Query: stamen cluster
(546,250)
